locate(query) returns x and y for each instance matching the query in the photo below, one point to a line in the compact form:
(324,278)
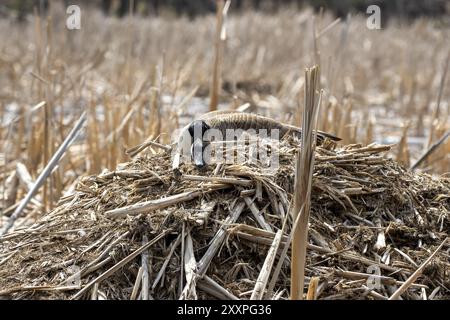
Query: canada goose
(223,120)
(193,135)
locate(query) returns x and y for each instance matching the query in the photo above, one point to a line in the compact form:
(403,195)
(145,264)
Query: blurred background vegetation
(405,9)
(145,77)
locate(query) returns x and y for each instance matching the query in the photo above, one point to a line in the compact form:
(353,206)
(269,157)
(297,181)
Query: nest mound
(143,232)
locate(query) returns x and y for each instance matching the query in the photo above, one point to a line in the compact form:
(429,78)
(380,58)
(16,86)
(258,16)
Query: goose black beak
(197,153)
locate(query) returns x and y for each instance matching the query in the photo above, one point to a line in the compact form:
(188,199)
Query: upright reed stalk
(222,10)
(303,182)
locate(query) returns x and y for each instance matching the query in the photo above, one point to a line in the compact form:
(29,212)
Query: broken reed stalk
(222,10)
(190,268)
(335,72)
(441,88)
(134,151)
(137,284)
(47,142)
(210,286)
(219,237)
(263,277)
(436,115)
(312,289)
(6,145)
(327,28)
(49,94)
(416,274)
(120,264)
(45,173)
(315,38)
(303,182)
(160,203)
(145,273)
(430,150)
(26,181)
(158,99)
(183,235)
(25,114)
(284,251)
(403,151)
(162,271)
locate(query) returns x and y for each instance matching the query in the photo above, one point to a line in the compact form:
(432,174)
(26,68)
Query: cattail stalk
(222,10)
(303,182)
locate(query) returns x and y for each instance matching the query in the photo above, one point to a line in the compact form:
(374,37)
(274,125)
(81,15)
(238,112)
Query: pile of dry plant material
(143,232)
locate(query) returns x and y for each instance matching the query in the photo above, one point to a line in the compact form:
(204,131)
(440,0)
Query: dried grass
(140,79)
(358,196)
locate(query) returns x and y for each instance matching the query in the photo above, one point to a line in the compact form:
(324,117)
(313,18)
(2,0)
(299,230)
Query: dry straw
(227,250)
(221,36)
(366,210)
(45,173)
(303,181)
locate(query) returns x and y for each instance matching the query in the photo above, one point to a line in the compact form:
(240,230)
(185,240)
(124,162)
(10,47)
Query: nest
(143,232)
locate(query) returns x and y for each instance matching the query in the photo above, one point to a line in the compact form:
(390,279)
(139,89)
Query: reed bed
(112,221)
(141,231)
